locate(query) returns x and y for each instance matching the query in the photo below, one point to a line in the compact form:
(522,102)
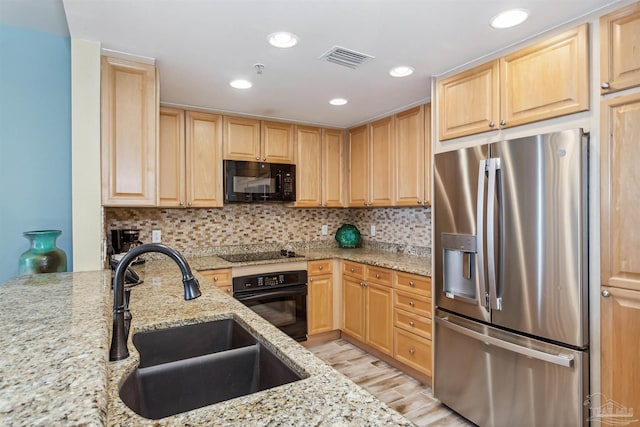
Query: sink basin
(218,369)
(184,342)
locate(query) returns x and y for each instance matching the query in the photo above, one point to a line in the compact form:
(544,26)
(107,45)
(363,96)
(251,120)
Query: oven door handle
(301,290)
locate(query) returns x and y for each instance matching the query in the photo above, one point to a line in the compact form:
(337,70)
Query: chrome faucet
(119,350)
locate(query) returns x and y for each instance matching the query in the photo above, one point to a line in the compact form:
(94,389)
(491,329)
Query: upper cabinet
(548,79)
(319,167)
(359,166)
(620,49)
(258,141)
(412,155)
(190,159)
(129,107)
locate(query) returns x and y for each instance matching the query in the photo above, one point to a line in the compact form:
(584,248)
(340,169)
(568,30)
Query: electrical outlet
(325,230)
(373,230)
(156,236)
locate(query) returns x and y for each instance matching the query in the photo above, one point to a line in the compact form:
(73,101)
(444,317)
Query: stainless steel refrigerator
(511,282)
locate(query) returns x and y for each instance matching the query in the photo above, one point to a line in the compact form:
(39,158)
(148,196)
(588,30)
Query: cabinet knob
(377,275)
(181,203)
(215,278)
(491,124)
(229,290)
(605,85)
(352,269)
(320,204)
(419,202)
(411,351)
(264,159)
(411,283)
(257,157)
(503,122)
(324,205)
(361,283)
(411,303)
(311,279)
(411,323)
(605,293)
(189,204)
(320,267)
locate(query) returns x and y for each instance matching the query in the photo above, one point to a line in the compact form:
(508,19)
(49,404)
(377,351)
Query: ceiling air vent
(346,57)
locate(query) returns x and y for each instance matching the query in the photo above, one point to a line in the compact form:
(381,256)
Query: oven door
(285,308)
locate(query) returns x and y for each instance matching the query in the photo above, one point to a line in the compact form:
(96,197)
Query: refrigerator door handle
(565,360)
(493,166)
(484,297)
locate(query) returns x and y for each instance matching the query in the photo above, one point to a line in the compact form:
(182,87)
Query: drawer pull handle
(412,284)
(411,323)
(411,303)
(411,351)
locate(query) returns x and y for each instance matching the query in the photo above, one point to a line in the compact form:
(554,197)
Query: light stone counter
(54,371)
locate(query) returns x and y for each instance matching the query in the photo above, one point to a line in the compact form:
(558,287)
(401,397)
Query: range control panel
(269,281)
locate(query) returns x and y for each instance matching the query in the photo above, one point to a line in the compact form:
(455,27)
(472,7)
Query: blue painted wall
(35,141)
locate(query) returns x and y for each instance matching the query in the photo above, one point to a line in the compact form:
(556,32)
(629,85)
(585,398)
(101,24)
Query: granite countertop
(54,369)
(395,261)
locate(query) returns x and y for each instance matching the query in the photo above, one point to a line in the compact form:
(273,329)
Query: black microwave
(259,182)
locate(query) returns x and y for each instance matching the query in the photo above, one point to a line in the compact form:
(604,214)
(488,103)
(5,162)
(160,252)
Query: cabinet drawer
(413,303)
(227,289)
(413,283)
(419,325)
(324,266)
(220,277)
(353,269)
(412,350)
(382,276)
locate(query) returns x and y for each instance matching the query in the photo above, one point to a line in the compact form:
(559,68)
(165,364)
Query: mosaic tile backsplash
(201,231)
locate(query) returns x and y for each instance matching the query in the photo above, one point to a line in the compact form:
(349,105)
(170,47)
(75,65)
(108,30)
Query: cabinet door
(379,317)
(241,139)
(620,192)
(353,299)
(469,102)
(427,154)
(381,176)
(548,79)
(620,49)
(320,304)
(358,167)
(204,159)
(332,168)
(410,157)
(128,133)
(171,158)
(277,142)
(308,166)
(620,329)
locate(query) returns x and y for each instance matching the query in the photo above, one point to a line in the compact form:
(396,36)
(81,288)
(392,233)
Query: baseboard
(419,376)
(321,338)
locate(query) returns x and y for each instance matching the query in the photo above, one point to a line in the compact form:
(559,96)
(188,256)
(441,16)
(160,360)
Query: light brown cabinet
(620,249)
(371,164)
(620,329)
(367,310)
(129,107)
(190,159)
(620,49)
(255,140)
(220,277)
(318,167)
(548,79)
(320,298)
(412,157)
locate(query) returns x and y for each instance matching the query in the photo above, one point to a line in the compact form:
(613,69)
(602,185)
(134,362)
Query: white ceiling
(201,45)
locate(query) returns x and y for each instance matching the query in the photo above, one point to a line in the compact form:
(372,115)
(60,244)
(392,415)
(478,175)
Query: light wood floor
(401,392)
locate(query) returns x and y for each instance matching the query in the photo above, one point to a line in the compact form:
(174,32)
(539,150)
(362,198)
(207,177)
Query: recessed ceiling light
(338,101)
(241,84)
(509,18)
(283,39)
(401,71)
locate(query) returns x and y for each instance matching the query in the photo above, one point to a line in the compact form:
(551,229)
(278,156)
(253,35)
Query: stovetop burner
(259,256)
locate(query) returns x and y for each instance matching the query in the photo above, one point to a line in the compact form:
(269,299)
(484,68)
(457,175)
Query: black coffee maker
(122,240)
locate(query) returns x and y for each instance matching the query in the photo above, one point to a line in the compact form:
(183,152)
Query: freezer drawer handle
(565,360)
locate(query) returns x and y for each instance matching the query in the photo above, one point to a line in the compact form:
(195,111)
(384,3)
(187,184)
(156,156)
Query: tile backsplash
(197,231)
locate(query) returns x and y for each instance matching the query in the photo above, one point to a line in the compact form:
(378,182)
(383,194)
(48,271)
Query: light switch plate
(156,236)
(373,230)
(325,230)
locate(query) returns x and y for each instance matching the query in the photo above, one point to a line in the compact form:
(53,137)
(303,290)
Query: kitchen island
(54,370)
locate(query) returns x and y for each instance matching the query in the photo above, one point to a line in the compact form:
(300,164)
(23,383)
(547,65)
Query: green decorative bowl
(348,236)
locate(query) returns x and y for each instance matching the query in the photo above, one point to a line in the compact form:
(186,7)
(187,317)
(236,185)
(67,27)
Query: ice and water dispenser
(459,268)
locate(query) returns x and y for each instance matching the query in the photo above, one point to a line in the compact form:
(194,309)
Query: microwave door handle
(480,235)
(496,301)
(279,181)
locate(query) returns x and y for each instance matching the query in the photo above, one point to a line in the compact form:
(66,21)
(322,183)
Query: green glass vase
(44,256)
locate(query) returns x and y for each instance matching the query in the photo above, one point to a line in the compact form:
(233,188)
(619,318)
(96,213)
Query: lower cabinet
(220,277)
(320,297)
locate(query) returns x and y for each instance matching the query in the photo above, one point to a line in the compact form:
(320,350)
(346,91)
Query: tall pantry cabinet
(619,214)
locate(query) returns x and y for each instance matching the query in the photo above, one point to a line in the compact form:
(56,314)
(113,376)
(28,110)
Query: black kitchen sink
(184,342)
(200,374)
